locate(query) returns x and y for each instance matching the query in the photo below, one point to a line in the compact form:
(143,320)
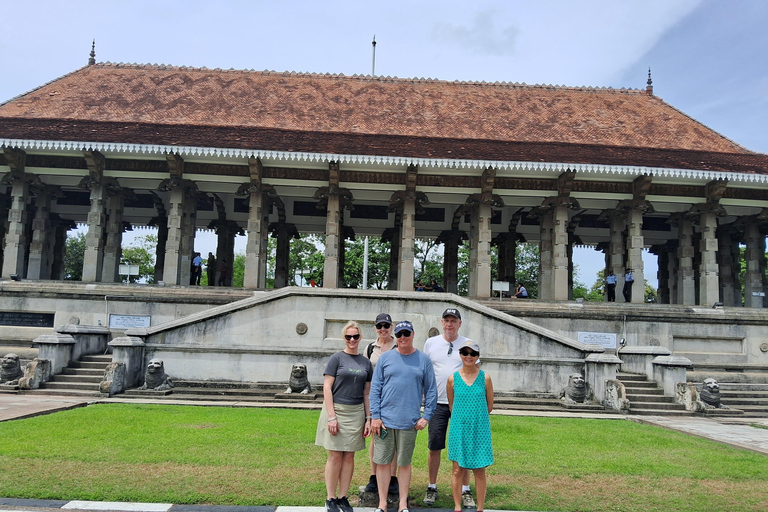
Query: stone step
(639,385)
(643,391)
(101,358)
(75,386)
(656,399)
(77,378)
(631,377)
(65,392)
(744,400)
(88,365)
(657,412)
(82,371)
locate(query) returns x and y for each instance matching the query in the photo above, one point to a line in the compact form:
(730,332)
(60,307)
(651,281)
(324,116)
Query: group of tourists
(380,392)
(211,267)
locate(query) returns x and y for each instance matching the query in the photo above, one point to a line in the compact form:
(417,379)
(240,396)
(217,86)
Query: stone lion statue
(10,370)
(156,378)
(577,391)
(299,383)
(710,394)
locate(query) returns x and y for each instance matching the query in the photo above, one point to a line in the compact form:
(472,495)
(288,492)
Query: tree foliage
(73,257)
(142,253)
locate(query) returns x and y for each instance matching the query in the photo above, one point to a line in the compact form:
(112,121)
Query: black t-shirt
(350,374)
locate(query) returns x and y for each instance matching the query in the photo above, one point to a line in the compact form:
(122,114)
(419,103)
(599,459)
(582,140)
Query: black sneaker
(372,486)
(394,487)
(331,505)
(343,504)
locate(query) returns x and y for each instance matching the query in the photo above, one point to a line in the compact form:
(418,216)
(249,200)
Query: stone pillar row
(700,267)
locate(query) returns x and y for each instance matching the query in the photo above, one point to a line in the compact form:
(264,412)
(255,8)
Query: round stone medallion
(301,328)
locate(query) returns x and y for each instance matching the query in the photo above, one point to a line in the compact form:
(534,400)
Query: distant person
(520,292)
(210,269)
(436,287)
(610,286)
(470,398)
(223,272)
(402,380)
(629,279)
(197,269)
(345,420)
(312,283)
(419,286)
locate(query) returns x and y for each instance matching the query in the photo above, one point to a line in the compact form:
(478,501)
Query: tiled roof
(255,107)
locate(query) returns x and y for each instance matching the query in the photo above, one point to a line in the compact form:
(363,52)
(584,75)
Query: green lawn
(226,456)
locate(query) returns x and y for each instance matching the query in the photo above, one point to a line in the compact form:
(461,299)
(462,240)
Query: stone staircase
(752,399)
(541,402)
(80,378)
(647,399)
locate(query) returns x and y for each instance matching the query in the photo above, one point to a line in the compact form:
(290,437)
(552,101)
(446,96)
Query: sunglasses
(469,353)
(351,337)
(403,333)
(383,325)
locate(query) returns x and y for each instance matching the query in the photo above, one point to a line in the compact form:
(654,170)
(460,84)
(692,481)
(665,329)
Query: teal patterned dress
(469,436)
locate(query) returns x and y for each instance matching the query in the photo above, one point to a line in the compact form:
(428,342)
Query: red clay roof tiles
(331,113)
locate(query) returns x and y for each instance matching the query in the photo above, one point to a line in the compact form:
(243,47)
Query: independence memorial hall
(263,153)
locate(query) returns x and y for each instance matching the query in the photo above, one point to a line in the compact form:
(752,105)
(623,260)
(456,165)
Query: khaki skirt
(350,438)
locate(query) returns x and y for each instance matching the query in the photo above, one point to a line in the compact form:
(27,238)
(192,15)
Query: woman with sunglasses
(385,341)
(345,420)
(470,397)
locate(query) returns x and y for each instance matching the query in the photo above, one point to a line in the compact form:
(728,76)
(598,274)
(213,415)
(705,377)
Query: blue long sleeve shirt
(398,385)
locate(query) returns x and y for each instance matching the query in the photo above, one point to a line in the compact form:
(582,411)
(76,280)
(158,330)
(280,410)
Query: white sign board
(606,339)
(500,286)
(128,321)
(129,270)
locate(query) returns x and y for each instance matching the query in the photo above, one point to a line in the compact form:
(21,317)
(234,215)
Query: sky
(707,57)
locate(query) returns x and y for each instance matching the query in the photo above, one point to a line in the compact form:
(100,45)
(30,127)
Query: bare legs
(338,472)
(433,464)
(383,474)
(460,475)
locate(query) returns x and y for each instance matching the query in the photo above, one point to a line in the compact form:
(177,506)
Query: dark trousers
(627,291)
(611,290)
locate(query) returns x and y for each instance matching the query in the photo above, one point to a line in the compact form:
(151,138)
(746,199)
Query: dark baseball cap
(383,317)
(452,312)
(403,326)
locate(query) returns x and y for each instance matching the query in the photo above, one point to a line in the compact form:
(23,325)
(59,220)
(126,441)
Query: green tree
(307,258)
(73,257)
(378,263)
(527,258)
(238,270)
(142,253)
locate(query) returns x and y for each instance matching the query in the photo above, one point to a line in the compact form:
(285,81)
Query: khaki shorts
(351,426)
(401,441)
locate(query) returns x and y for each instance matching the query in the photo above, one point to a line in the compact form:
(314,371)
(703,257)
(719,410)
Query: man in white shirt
(443,351)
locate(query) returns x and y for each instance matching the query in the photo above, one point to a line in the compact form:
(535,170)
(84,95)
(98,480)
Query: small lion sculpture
(710,394)
(577,391)
(156,379)
(10,370)
(299,383)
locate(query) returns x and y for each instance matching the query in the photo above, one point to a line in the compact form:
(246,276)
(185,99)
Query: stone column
(393,236)
(480,251)
(616,248)
(15,251)
(41,248)
(113,247)
(405,270)
(332,241)
(258,220)
(635,243)
(663,276)
(674,277)
(162,242)
(709,283)
(546,271)
(753,281)
(686,286)
(730,293)
(93,258)
(507,244)
(452,240)
(60,228)
(560,253)
(283,232)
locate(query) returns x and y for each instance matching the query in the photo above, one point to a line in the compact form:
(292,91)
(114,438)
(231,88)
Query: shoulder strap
(369,350)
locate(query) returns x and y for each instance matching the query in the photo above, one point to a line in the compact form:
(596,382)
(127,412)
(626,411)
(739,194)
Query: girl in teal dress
(470,397)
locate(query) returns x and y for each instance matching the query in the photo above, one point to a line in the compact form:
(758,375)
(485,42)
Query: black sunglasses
(383,325)
(403,333)
(351,337)
(467,352)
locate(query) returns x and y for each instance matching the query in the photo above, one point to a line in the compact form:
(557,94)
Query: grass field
(238,456)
